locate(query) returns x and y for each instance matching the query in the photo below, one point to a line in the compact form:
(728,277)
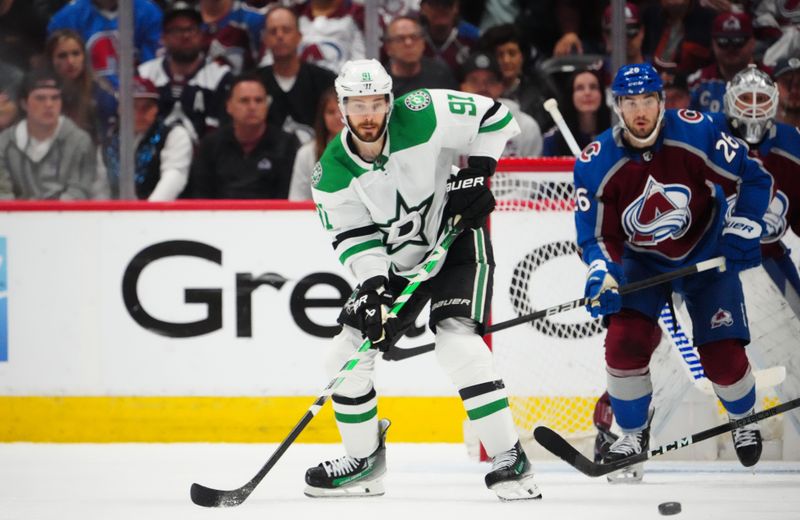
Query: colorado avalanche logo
(102,51)
(721,318)
(661,212)
(322,53)
(775,218)
(590,151)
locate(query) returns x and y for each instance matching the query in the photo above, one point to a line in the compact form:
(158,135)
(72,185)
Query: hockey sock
(468,362)
(357,420)
(630,399)
(726,366)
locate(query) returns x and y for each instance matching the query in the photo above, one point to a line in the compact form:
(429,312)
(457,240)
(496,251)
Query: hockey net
(553,368)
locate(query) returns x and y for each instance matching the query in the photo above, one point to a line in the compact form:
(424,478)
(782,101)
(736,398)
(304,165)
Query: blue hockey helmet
(637,78)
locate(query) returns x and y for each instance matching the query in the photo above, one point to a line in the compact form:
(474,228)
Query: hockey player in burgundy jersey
(651,197)
(751,104)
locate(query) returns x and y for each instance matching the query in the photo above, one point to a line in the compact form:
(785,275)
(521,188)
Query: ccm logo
(462,184)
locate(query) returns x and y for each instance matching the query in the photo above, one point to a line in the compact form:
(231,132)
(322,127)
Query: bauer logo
(3,302)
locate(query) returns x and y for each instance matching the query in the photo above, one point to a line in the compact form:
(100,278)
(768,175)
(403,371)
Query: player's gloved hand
(469,196)
(741,243)
(602,287)
(371,309)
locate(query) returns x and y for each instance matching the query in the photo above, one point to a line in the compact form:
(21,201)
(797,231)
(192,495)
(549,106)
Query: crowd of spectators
(235,99)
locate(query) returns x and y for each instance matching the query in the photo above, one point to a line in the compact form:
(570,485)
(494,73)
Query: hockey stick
(398,354)
(209,497)
(557,445)
(551,105)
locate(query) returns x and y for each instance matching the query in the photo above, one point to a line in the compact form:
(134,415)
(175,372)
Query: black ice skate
(747,441)
(627,445)
(511,476)
(350,476)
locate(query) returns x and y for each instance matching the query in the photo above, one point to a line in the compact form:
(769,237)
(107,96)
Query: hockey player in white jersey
(385,190)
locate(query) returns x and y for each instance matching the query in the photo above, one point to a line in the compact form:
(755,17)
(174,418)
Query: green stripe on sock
(358,418)
(487,409)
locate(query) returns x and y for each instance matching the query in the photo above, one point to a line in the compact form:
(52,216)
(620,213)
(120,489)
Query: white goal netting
(554,368)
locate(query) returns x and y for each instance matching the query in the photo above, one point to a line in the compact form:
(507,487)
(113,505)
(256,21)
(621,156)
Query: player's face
(640,113)
(281,35)
(509,56)
(586,95)
(367,115)
(68,59)
(43,106)
(332,117)
(247,105)
(789,90)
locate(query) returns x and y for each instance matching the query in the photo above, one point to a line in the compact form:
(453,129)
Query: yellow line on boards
(212,419)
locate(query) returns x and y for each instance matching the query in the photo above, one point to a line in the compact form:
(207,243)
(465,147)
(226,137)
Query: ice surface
(424,481)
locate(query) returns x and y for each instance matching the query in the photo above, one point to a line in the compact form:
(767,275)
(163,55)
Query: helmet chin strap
(640,142)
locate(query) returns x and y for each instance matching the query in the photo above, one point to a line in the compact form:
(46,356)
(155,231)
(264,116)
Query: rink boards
(202,322)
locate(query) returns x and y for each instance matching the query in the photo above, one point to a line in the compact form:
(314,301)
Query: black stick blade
(207,497)
(555,444)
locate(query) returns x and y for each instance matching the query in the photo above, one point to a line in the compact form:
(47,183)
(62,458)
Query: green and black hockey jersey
(386,214)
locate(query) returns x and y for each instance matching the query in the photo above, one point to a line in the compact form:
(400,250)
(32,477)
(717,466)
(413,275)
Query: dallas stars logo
(407,227)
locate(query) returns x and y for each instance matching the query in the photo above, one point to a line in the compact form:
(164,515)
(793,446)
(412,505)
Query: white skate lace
(505,459)
(340,466)
(745,436)
(628,444)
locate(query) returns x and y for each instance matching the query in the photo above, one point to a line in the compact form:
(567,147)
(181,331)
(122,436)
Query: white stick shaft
(555,113)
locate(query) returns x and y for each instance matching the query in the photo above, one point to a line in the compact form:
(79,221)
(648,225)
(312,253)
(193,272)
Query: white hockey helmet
(751,103)
(363,78)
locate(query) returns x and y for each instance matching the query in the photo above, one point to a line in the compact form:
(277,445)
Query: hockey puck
(669,508)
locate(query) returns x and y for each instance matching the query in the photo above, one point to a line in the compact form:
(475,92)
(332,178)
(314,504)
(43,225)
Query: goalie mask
(363,78)
(632,80)
(751,103)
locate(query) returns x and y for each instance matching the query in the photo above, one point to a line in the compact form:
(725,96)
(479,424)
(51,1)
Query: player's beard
(370,135)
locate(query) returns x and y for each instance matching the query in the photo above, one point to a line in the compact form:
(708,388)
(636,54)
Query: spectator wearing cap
(676,92)
(232,32)
(96,22)
(410,70)
(634,36)
(191,90)
(163,151)
(447,37)
(333,32)
(677,35)
(732,43)
(480,74)
(584,111)
(787,76)
(522,82)
(248,159)
(45,156)
(294,85)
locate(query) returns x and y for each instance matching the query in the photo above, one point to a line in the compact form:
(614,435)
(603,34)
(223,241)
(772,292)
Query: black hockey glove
(469,196)
(370,307)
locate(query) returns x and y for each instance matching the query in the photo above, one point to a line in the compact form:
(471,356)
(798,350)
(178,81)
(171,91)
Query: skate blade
(372,488)
(630,475)
(522,489)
